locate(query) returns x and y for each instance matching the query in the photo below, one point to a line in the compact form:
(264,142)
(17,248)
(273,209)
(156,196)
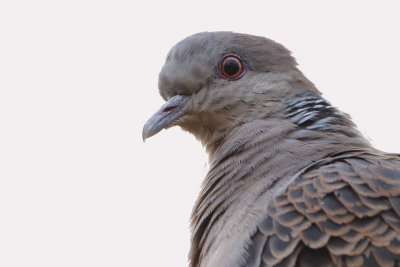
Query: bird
(291,180)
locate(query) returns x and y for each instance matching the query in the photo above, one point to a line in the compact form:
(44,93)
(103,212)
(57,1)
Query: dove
(292,181)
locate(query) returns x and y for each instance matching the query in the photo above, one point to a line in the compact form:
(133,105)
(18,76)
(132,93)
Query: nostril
(169,108)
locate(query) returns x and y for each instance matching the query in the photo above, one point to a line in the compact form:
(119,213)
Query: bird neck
(313,112)
(261,155)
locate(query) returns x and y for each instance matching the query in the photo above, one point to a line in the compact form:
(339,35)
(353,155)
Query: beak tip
(150,129)
(145,133)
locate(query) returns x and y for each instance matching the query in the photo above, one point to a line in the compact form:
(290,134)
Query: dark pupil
(231,67)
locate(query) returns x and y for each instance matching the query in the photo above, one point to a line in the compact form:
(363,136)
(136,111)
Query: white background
(78,79)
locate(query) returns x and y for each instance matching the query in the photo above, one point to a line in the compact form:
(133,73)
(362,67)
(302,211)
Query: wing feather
(343,210)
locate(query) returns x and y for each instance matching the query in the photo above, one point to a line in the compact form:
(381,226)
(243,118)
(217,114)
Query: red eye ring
(231,67)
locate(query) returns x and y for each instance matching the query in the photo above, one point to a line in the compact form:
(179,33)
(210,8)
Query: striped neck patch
(315,113)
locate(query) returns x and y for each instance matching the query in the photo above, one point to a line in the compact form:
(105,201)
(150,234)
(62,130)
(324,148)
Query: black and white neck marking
(315,113)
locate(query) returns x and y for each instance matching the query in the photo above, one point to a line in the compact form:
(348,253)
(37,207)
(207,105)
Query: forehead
(201,45)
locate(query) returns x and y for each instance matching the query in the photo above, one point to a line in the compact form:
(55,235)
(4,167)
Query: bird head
(214,81)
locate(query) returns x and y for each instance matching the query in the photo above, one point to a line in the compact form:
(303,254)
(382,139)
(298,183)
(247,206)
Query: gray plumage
(292,182)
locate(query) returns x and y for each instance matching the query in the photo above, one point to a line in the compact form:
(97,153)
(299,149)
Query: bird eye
(232,67)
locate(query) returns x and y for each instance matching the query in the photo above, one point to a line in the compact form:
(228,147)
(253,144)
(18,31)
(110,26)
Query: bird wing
(341,211)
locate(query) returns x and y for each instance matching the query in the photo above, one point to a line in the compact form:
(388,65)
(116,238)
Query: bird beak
(168,113)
